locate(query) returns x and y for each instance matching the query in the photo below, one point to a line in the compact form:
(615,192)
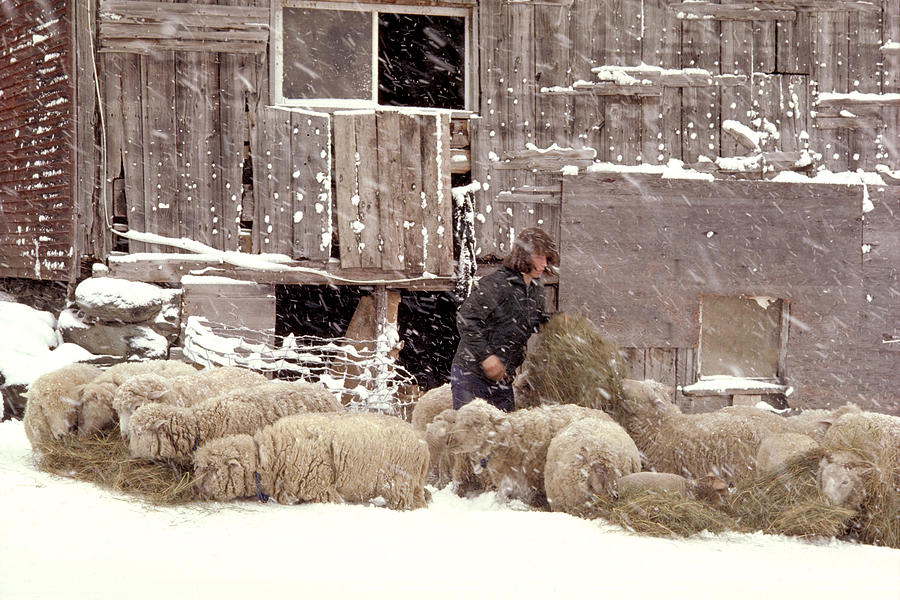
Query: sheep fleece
(584,460)
(54,400)
(173,432)
(319,457)
(431,404)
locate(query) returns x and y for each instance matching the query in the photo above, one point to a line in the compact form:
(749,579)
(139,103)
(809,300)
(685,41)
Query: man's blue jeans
(466,386)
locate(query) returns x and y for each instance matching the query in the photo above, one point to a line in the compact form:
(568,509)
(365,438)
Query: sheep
(776,450)
(97,411)
(584,460)
(508,451)
(858,445)
(432,403)
(318,457)
(184,390)
(722,443)
(53,402)
(815,422)
(162,431)
(709,488)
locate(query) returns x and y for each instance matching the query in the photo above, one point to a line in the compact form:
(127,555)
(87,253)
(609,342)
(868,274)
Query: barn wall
(767,69)
(638,253)
(37,212)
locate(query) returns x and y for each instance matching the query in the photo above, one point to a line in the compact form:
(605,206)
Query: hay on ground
(878,522)
(570,362)
(103,459)
(788,502)
(666,514)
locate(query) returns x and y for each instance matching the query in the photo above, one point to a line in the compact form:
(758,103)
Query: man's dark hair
(531,241)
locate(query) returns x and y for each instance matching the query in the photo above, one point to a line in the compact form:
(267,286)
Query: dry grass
(878,522)
(664,514)
(788,502)
(103,459)
(571,363)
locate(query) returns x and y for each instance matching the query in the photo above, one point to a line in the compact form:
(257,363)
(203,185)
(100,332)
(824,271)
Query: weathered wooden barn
(723,177)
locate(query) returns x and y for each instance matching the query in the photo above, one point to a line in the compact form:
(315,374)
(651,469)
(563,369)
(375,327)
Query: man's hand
(493,368)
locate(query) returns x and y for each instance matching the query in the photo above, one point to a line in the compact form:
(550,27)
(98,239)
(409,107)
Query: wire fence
(363,374)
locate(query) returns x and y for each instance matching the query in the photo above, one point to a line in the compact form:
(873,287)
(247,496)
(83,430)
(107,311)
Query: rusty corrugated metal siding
(37,211)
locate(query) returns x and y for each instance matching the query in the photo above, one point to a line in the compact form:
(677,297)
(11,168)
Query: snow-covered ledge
(726,385)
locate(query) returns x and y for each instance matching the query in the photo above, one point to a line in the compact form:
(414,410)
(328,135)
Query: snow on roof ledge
(727,385)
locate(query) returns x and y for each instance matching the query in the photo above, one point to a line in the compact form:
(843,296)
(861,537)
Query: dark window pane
(327,54)
(421,61)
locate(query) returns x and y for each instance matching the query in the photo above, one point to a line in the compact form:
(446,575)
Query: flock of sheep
(243,435)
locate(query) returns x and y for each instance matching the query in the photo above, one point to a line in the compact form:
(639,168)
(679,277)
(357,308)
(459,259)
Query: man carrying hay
(495,322)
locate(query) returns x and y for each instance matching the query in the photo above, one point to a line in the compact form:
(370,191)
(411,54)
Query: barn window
(345,55)
(742,336)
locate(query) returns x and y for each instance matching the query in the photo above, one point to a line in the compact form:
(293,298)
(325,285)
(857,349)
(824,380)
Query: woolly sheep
(708,488)
(815,422)
(162,431)
(432,403)
(97,411)
(53,402)
(855,444)
(722,443)
(184,390)
(509,450)
(777,450)
(319,457)
(584,460)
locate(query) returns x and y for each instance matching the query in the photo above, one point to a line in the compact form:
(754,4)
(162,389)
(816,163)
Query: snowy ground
(67,539)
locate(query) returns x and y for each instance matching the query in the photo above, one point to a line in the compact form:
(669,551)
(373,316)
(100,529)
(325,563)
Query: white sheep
(509,450)
(54,400)
(97,411)
(163,431)
(319,457)
(855,445)
(184,390)
(722,443)
(430,405)
(777,450)
(709,488)
(584,460)
(816,421)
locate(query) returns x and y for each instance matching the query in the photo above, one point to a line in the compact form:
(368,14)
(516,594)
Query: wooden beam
(732,12)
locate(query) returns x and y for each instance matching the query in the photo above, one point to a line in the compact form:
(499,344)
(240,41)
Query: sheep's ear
(156,394)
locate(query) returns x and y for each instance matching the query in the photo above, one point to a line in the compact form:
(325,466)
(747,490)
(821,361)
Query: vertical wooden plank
(488,132)
(160,135)
(430,189)
(700,123)
(257,73)
(660,366)
(311,185)
(767,106)
(444,231)
(91,236)
(110,66)
(830,72)
(390,189)
(369,231)
(794,103)
(346,187)
(273,218)
(685,372)
(552,44)
(623,117)
(132,124)
(737,101)
(764,60)
(890,144)
(661,116)
(411,176)
(588,34)
(793,49)
(233,130)
(634,363)
(198,147)
(865,51)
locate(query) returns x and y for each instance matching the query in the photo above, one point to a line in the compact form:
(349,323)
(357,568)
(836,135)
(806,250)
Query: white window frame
(276,56)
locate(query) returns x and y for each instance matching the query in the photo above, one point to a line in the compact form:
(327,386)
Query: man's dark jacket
(498,318)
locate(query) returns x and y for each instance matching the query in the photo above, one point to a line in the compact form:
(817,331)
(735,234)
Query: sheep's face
(841,484)
(644,397)
(224,468)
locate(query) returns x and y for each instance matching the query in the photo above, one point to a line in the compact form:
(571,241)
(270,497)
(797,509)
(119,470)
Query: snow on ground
(67,539)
